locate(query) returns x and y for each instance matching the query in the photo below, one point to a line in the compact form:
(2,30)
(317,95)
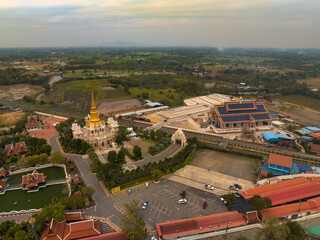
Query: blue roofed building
(270,136)
(237,116)
(305,168)
(285,141)
(280,163)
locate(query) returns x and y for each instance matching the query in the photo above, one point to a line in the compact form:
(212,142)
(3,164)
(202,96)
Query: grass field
(144,144)
(10,118)
(52,173)
(303,101)
(38,199)
(313,82)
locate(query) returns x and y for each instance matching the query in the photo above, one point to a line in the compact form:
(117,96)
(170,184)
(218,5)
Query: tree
(4,226)
(297,232)
(152,134)
(133,226)
(273,229)
(137,152)
(112,156)
(121,156)
(57,158)
(259,203)
(156,175)
(230,198)
(88,191)
(118,140)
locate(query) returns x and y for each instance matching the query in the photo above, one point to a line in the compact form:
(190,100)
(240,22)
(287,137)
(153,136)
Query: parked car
(238,186)
(153,238)
(233,188)
(182,201)
(223,198)
(183,194)
(204,205)
(207,186)
(237,194)
(267,146)
(144,205)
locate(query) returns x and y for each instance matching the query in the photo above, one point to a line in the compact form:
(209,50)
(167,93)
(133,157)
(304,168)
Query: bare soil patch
(106,107)
(10,118)
(228,164)
(16,92)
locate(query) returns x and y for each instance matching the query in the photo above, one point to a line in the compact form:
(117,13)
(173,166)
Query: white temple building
(96,132)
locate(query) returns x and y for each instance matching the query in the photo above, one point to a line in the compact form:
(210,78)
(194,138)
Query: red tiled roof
(292,209)
(202,224)
(3,172)
(32,122)
(314,147)
(2,183)
(82,229)
(33,179)
(107,236)
(19,147)
(67,231)
(74,216)
(293,193)
(252,217)
(280,160)
(249,193)
(315,135)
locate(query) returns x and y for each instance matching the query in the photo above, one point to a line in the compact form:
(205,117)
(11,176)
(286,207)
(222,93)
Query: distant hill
(121,44)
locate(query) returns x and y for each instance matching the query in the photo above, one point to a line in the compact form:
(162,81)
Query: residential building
(33,124)
(280,162)
(18,148)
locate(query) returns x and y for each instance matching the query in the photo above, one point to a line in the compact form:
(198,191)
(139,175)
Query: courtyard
(163,204)
(34,200)
(143,143)
(225,163)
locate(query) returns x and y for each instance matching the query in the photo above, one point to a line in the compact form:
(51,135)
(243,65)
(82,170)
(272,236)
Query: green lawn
(144,144)
(303,101)
(38,199)
(52,173)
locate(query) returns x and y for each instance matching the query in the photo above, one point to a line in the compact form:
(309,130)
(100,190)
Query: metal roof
(270,136)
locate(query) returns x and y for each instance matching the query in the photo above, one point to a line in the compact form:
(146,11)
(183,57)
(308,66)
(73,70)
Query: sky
(210,23)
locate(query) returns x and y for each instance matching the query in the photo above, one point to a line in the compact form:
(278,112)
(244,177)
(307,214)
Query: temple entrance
(102,144)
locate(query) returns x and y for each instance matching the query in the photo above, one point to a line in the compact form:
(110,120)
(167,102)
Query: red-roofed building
(2,184)
(74,216)
(199,225)
(3,173)
(19,148)
(33,180)
(280,162)
(33,124)
(75,230)
(249,193)
(315,148)
(107,236)
(315,135)
(252,217)
(293,210)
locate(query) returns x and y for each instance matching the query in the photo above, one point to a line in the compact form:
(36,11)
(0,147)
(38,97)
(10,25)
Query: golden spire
(94,117)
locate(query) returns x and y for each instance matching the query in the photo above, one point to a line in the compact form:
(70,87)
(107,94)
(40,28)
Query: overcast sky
(216,23)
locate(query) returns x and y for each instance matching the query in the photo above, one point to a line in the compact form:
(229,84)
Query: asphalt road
(104,204)
(207,137)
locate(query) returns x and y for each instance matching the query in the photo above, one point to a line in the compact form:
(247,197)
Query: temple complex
(96,132)
(33,180)
(239,116)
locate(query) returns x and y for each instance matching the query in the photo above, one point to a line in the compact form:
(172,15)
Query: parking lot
(163,204)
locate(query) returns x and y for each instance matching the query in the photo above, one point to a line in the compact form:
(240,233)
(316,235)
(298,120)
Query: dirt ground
(10,118)
(184,124)
(106,107)
(228,164)
(17,91)
(302,114)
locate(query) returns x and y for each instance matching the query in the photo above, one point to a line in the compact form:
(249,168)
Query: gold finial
(94,117)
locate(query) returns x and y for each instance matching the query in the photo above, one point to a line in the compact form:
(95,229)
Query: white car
(182,201)
(153,238)
(144,206)
(207,186)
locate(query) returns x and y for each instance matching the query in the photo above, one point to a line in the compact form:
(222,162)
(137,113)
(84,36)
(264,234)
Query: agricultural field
(312,82)
(10,118)
(106,107)
(17,91)
(303,101)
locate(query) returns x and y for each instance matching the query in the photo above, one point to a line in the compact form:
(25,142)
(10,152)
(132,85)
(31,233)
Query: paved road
(165,154)
(104,204)
(207,137)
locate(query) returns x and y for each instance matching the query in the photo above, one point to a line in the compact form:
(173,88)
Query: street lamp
(31,222)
